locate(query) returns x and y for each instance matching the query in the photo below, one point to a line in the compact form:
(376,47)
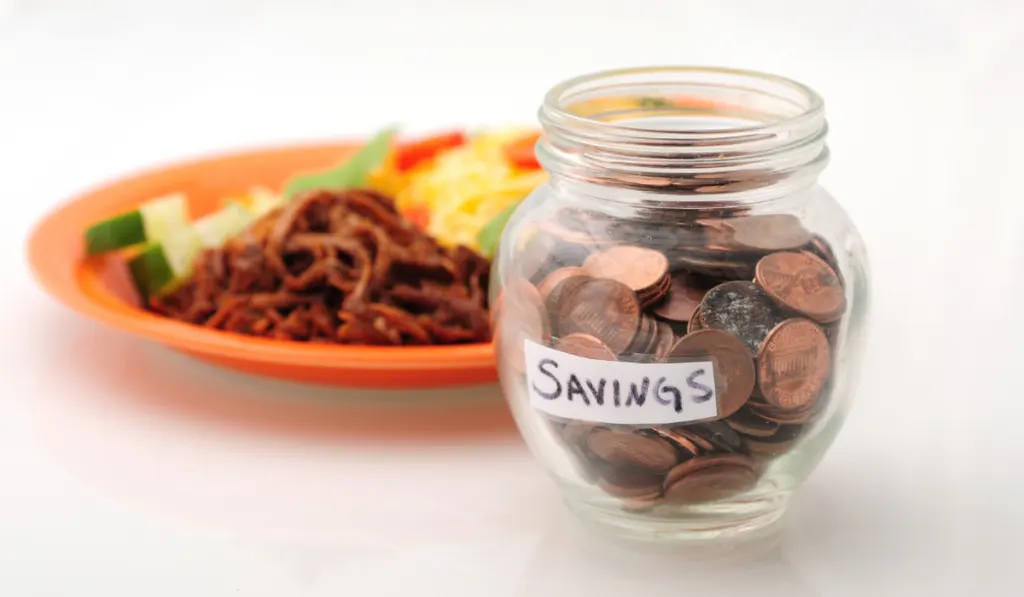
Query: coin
(701,443)
(701,462)
(655,295)
(722,437)
(695,323)
(714,266)
(782,416)
(553,280)
(793,364)
(637,267)
(742,309)
(772,232)
(685,445)
(733,367)
(628,484)
(666,340)
(633,451)
(524,317)
(748,423)
(586,346)
(603,308)
(684,296)
(802,282)
(711,484)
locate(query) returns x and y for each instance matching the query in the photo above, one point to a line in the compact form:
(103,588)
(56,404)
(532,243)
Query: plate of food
(357,264)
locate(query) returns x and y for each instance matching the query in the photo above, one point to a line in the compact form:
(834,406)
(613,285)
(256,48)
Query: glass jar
(679,313)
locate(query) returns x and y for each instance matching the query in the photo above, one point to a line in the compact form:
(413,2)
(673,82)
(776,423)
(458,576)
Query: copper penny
(782,416)
(734,370)
(773,232)
(793,364)
(637,267)
(656,295)
(750,424)
(681,441)
(701,462)
(553,280)
(743,310)
(711,484)
(603,308)
(630,485)
(666,340)
(703,444)
(523,317)
(586,346)
(640,453)
(696,322)
(722,437)
(803,283)
(684,296)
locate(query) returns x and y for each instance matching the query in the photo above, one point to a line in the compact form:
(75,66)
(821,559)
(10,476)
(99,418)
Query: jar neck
(691,135)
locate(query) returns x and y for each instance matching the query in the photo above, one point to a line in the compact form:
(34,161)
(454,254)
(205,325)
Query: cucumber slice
(160,268)
(151,222)
(218,227)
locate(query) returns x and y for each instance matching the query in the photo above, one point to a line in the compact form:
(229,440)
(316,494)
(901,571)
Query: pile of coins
(757,295)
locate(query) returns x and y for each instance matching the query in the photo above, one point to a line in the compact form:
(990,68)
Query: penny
(721,436)
(586,346)
(666,340)
(733,368)
(637,267)
(685,444)
(717,267)
(750,424)
(820,247)
(711,484)
(553,280)
(630,485)
(701,443)
(524,317)
(605,309)
(633,451)
(742,309)
(802,282)
(782,416)
(696,322)
(655,295)
(793,364)
(701,462)
(683,298)
(774,232)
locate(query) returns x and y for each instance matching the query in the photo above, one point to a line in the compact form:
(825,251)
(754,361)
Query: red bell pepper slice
(409,155)
(522,153)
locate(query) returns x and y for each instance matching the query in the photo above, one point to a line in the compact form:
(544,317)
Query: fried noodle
(337,267)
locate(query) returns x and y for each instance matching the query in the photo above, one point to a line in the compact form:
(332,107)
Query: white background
(126,470)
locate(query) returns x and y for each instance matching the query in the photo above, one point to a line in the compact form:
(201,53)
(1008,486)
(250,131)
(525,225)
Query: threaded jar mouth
(685,129)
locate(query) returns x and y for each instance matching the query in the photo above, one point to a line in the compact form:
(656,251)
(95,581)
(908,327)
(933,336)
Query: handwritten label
(572,387)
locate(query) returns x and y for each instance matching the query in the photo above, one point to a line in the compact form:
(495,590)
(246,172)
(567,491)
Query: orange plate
(95,289)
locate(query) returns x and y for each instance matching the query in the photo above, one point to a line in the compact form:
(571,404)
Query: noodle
(337,267)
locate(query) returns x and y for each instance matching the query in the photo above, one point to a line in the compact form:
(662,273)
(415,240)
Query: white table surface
(128,470)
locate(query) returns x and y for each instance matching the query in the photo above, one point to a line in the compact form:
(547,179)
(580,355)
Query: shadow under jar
(679,312)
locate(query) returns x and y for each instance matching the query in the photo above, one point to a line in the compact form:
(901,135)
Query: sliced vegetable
(260,201)
(151,222)
(490,234)
(522,153)
(352,173)
(160,268)
(419,215)
(218,227)
(409,155)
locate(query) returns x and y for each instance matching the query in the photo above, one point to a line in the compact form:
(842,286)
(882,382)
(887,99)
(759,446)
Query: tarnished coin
(802,282)
(637,267)
(684,296)
(666,340)
(734,369)
(793,364)
(743,310)
(603,308)
(696,322)
(702,462)
(586,346)
(633,451)
(750,424)
(715,266)
(710,484)
(772,232)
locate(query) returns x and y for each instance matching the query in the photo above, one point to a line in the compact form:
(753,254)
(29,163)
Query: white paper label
(615,392)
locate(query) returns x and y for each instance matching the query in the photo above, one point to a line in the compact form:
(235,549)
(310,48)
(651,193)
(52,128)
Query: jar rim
(553,108)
